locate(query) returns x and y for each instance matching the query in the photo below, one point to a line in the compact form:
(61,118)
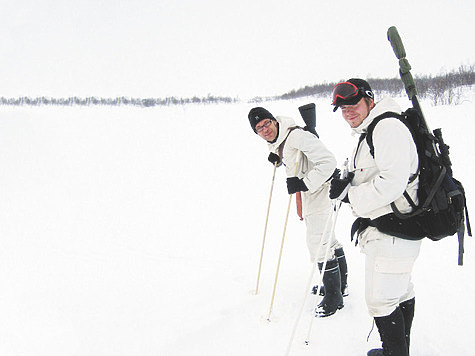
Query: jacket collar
(386,104)
(285,125)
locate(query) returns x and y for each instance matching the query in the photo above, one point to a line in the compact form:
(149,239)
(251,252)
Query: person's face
(355,114)
(267,129)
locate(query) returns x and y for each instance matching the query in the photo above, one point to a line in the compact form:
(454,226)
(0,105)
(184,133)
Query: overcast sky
(244,48)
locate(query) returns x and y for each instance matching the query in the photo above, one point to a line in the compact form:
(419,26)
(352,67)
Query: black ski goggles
(347,91)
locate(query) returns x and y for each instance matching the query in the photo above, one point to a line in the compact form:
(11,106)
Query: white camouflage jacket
(381,180)
(315,166)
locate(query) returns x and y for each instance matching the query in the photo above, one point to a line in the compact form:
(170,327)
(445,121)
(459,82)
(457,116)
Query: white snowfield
(137,232)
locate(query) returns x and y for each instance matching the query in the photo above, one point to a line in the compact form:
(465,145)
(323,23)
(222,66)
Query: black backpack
(442,209)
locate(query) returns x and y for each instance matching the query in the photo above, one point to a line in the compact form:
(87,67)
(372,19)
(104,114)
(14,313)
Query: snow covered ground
(127,231)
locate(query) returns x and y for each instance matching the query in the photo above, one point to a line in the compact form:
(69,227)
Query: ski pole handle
(344,170)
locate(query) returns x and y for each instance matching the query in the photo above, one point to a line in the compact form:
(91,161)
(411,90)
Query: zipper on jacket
(362,137)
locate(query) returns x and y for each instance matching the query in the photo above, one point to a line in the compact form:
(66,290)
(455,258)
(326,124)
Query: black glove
(335,174)
(295,185)
(339,188)
(274,159)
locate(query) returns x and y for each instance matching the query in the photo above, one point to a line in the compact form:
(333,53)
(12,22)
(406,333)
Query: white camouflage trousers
(388,266)
(315,227)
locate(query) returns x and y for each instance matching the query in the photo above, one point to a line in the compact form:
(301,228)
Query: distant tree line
(440,89)
(92,100)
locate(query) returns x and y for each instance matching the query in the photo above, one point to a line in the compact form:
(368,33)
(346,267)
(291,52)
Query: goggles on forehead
(347,90)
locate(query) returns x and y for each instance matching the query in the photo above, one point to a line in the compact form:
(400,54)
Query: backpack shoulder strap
(369,132)
(369,140)
(281,146)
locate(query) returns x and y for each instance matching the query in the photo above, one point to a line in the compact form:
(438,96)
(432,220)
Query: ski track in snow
(131,231)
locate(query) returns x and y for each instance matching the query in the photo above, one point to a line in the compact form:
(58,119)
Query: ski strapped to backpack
(441,210)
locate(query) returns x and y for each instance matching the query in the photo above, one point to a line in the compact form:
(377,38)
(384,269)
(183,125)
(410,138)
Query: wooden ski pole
(309,283)
(336,207)
(265,228)
(334,216)
(283,238)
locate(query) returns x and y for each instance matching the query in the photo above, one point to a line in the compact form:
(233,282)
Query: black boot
(392,331)
(333,299)
(407,309)
(340,255)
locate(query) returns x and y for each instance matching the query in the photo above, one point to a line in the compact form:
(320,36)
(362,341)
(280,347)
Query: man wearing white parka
(373,183)
(316,165)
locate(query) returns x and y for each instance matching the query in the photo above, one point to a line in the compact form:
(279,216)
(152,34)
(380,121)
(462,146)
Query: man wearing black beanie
(316,166)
